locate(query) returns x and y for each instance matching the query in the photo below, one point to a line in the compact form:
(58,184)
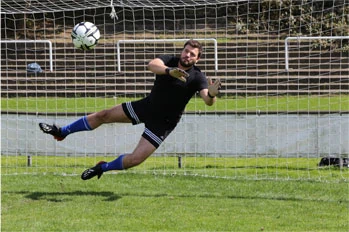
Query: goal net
(284,102)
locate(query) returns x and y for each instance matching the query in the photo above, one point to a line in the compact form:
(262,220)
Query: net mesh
(35,6)
(268,123)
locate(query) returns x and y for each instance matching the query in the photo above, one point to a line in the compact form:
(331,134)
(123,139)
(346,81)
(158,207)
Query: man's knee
(103,115)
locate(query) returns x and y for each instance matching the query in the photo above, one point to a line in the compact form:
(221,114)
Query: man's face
(189,56)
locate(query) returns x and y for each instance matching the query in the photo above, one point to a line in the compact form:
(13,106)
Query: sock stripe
(79,125)
(87,126)
(116,164)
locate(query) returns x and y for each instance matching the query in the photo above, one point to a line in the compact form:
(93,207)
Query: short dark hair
(195,44)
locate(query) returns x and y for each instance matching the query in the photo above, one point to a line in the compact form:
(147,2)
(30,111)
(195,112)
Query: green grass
(241,104)
(223,167)
(144,202)
(206,194)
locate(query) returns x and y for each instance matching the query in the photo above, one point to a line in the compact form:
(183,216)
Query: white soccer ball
(85,35)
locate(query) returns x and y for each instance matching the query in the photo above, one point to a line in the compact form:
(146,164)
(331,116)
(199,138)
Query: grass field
(274,195)
(241,104)
(260,168)
(144,202)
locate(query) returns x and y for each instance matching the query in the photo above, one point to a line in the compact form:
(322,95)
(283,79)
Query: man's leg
(143,150)
(115,114)
(85,123)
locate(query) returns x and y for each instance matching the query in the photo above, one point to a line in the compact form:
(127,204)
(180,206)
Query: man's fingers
(217,83)
(180,74)
(213,88)
(181,78)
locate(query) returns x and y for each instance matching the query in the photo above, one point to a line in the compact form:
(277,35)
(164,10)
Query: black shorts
(157,126)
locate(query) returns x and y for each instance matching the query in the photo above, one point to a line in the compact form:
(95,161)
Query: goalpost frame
(164,40)
(35,41)
(306,38)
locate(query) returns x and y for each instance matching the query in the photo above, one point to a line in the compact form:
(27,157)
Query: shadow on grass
(62,196)
(110,196)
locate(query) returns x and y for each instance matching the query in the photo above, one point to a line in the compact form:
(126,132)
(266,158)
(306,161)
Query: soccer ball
(85,35)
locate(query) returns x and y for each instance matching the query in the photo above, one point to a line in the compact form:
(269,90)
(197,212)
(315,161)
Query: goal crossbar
(164,40)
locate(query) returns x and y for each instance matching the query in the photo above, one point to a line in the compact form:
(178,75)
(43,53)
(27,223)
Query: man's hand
(178,73)
(213,88)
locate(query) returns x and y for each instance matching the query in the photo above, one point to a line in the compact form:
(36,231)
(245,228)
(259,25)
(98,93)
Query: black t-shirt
(169,95)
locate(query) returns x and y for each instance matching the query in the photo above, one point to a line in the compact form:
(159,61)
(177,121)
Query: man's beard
(186,64)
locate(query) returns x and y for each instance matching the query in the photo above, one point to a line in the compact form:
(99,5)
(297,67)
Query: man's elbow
(149,66)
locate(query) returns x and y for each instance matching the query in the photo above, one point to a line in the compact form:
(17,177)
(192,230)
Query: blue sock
(79,125)
(114,165)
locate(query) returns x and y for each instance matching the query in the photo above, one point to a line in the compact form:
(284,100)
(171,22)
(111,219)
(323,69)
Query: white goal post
(164,40)
(305,38)
(35,41)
